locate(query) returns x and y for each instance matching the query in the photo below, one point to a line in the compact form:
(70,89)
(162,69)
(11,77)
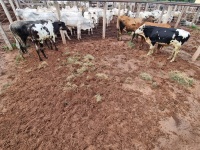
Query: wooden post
(119,7)
(175,7)
(186,14)
(179,17)
(196,54)
(197,14)
(155,7)
(3,34)
(138,10)
(160,18)
(45,3)
(133,7)
(59,18)
(13,7)
(179,8)
(75,3)
(104,21)
(97,4)
(17,3)
(56,5)
(6,11)
(146,7)
(63,36)
(158,7)
(125,5)
(114,5)
(169,11)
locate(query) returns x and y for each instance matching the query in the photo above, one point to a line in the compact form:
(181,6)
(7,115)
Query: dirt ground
(92,95)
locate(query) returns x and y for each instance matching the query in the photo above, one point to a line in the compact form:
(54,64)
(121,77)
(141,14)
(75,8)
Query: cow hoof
(169,58)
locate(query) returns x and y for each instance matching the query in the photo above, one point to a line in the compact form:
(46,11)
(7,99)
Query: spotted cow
(163,36)
(39,31)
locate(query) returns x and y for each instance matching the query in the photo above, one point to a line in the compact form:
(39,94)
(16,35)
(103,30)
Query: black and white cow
(163,36)
(39,31)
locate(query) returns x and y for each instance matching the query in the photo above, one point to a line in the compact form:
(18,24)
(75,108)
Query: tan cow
(128,24)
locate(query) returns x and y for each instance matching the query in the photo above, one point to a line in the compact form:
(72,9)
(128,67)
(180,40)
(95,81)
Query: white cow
(32,15)
(78,21)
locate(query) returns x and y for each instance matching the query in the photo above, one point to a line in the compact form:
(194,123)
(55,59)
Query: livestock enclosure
(99,92)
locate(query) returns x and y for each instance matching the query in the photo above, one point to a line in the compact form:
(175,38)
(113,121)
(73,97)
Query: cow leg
(91,31)
(151,50)
(172,54)
(78,33)
(141,42)
(65,33)
(42,50)
(38,51)
(54,44)
(74,31)
(177,46)
(70,29)
(159,47)
(121,28)
(88,31)
(21,53)
(175,52)
(48,44)
(133,36)
(25,49)
(119,35)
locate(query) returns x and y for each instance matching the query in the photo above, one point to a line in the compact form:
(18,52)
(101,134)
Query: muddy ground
(99,94)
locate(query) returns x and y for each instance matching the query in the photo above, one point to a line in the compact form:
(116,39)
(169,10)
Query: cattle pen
(102,87)
(9,7)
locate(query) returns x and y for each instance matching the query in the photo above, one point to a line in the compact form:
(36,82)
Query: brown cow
(128,24)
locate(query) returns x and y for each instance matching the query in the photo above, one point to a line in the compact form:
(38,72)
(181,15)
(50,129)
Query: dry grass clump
(181,78)
(146,76)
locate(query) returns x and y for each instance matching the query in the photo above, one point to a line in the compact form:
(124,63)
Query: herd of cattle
(42,25)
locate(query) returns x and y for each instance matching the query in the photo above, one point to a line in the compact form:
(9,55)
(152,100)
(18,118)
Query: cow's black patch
(58,25)
(46,29)
(121,26)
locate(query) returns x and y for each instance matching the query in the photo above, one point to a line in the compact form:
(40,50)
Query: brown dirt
(54,105)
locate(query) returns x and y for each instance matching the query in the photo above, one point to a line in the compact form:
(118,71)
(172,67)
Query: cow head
(94,22)
(19,13)
(62,25)
(24,49)
(135,25)
(140,29)
(149,19)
